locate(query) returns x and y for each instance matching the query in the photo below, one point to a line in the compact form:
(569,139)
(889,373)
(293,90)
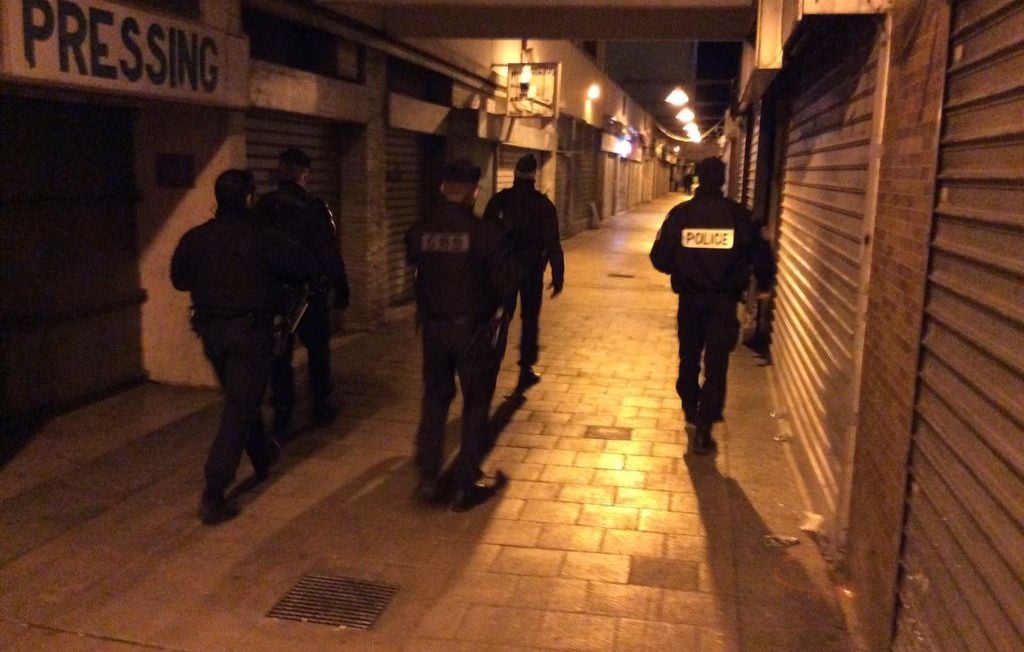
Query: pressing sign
(444,243)
(708,238)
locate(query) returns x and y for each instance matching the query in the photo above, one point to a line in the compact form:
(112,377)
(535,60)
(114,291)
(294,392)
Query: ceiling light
(593,92)
(686,115)
(677,97)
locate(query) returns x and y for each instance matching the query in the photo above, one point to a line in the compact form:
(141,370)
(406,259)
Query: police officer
(307,220)
(709,246)
(465,275)
(531,219)
(233,268)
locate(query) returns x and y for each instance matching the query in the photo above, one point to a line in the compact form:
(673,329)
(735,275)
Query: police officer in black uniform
(307,220)
(233,268)
(531,219)
(466,273)
(710,246)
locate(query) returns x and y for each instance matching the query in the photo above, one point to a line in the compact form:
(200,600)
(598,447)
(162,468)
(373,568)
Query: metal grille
(337,601)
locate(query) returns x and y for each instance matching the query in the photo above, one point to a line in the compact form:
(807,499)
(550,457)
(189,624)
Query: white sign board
(100,45)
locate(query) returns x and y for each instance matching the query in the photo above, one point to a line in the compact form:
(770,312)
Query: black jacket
(465,266)
(308,221)
(532,221)
(710,245)
(231,264)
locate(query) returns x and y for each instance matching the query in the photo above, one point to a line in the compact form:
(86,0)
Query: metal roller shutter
(963,557)
(564,191)
(414,163)
(587,185)
(636,181)
(750,160)
(621,186)
(822,258)
(608,186)
(268,133)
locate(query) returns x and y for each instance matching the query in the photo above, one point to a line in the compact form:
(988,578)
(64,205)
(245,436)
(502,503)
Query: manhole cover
(608,432)
(338,601)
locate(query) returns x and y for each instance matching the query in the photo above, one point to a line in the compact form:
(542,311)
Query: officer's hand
(556,289)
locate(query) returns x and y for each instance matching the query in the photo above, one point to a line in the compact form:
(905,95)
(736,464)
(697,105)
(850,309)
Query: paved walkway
(606,539)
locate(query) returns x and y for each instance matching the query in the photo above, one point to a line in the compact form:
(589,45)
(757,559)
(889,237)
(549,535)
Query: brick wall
(895,309)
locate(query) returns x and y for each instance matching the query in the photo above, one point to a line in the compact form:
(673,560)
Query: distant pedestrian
(710,246)
(308,220)
(233,269)
(465,275)
(532,221)
(688,182)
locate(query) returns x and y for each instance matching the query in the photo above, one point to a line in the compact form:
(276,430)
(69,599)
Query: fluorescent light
(525,75)
(686,115)
(623,147)
(677,97)
(593,92)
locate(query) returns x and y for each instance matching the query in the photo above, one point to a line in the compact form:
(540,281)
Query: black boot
(214,508)
(479,492)
(527,379)
(702,443)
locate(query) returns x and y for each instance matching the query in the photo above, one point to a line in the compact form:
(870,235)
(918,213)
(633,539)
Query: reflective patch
(444,243)
(708,238)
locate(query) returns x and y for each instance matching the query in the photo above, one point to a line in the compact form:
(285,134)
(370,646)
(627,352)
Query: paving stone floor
(607,538)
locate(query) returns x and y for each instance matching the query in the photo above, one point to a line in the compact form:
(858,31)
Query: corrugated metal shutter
(821,255)
(563,192)
(70,322)
(586,183)
(268,133)
(621,186)
(405,204)
(963,562)
(636,182)
(750,160)
(608,185)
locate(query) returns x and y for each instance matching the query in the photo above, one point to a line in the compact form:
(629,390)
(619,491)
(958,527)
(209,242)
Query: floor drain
(608,432)
(338,601)
(621,275)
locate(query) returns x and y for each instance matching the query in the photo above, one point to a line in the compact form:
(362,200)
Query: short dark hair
(295,156)
(711,172)
(526,166)
(462,171)
(233,187)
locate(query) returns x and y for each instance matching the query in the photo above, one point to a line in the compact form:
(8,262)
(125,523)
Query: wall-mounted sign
(104,46)
(533,90)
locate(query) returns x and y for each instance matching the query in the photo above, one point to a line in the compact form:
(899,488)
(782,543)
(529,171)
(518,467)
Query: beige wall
(171,351)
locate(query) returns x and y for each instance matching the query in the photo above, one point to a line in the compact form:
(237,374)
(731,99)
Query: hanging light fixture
(686,115)
(594,92)
(677,97)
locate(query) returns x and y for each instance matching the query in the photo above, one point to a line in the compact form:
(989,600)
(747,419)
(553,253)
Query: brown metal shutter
(822,260)
(750,160)
(586,184)
(414,165)
(564,191)
(962,584)
(268,133)
(609,165)
(69,292)
(636,181)
(621,186)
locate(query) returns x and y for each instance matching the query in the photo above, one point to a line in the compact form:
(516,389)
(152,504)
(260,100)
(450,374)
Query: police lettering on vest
(708,238)
(96,39)
(444,243)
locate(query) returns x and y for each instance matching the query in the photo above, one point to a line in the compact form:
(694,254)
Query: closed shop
(622,185)
(636,182)
(962,581)
(564,192)
(587,185)
(70,296)
(268,133)
(824,221)
(413,164)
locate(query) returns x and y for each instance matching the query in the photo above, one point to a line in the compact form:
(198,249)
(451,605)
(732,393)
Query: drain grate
(608,432)
(621,275)
(338,601)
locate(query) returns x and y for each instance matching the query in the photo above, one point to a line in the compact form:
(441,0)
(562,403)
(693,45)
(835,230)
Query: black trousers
(471,350)
(314,332)
(708,326)
(240,350)
(531,295)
